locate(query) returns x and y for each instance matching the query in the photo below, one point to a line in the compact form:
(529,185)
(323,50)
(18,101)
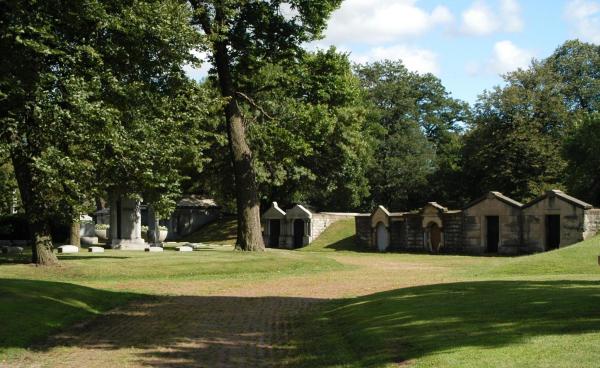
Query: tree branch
(253,103)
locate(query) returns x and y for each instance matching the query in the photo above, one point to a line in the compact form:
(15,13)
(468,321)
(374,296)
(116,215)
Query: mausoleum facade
(493,223)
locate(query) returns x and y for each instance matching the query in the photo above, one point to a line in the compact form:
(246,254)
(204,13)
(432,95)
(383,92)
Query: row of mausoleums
(296,227)
(493,223)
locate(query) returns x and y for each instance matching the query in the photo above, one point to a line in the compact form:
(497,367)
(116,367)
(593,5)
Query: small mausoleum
(126,224)
(494,223)
(296,227)
(555,219)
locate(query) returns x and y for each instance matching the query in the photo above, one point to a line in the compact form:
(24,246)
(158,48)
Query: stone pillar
(126,224)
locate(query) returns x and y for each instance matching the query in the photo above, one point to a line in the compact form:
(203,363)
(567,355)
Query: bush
(101,226)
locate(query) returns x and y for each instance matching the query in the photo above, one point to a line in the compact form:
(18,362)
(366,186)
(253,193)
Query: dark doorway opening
(552,232)
(119,209)
(435,237)
(493,233)
(274,232)
(298,233)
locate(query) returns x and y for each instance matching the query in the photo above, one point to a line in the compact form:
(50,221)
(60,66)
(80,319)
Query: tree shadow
(229,331)
(407,324)
(348,244)
(70,257)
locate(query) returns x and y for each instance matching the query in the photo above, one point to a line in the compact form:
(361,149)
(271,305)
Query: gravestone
(68,249)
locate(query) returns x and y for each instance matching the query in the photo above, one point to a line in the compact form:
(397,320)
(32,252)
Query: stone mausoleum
(296,227)
(493,223)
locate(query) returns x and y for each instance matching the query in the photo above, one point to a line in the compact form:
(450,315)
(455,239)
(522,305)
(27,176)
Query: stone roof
(562,195)
(437,205)
(497,195)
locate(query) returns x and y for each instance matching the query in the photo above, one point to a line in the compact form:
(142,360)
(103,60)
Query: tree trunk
(249,234)
(75,230)
(33,204)
(41,250)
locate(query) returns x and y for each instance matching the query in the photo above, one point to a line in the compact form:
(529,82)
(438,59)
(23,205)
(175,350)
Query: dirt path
(213,324)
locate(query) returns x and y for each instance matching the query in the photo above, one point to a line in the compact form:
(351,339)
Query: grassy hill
(338,236)
(525,316)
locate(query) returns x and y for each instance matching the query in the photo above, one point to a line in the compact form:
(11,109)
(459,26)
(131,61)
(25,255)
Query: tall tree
(75,73)
(242,36)
(515,142)
(417,146)
(582,151)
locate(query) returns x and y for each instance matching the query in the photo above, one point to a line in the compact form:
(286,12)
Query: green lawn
(35,301)
(534,311)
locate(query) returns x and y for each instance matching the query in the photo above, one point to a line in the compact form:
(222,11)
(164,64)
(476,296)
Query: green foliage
(8,188)
(95,99)
(314,149)
(515,142)
(418,135)
(582,150)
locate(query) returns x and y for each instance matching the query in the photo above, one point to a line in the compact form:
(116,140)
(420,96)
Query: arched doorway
(274,232)
(298,233)
(435,237)
(383,237)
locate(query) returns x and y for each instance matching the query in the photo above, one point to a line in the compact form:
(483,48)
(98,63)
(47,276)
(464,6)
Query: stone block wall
(591,223)
(453,225)
(397,234)
(363,230)
(414,232)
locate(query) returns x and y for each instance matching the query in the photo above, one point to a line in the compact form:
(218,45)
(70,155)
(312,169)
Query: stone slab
(96,250)
(89,240)
(68,249)
(184,249)
(154,249)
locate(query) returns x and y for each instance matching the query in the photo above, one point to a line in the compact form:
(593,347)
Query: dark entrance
(298,233)
(274,232)
(435,236)
(493,233)
(552,232)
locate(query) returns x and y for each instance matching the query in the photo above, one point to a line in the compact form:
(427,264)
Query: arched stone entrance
(383,237)
(435,237)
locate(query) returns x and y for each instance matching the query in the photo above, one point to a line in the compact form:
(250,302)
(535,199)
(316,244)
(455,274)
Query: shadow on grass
(407,324)
(370,331)
(74,257)
(31,309)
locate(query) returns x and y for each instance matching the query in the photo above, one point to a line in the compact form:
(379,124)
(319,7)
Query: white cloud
(511,14)
(380,21)
(480,19)
(584,16)
(508,57)
(415,59)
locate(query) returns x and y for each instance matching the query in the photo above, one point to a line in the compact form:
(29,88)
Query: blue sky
(468,44)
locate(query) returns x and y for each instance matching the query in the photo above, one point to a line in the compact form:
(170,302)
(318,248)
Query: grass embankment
(533,313)
(222,231)
(338,236)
